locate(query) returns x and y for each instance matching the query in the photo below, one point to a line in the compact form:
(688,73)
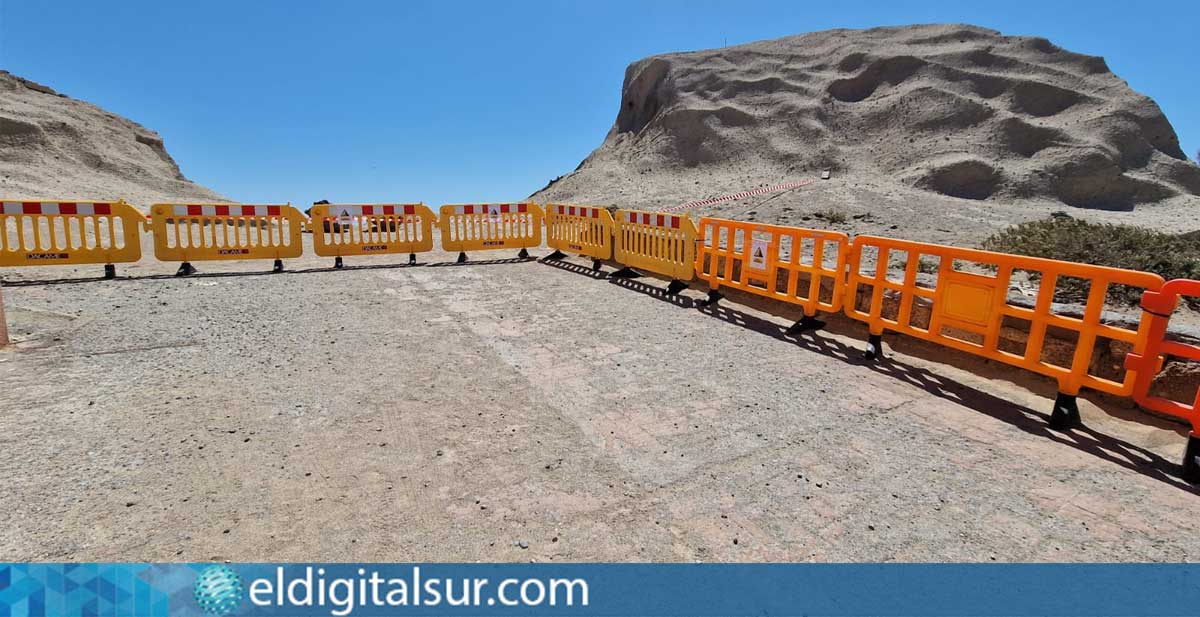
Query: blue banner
(598,589)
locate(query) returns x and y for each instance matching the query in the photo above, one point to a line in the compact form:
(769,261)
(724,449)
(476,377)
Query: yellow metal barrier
(583,230)
(791,264)
(202,232)
(656,242)
(482,227)
(341,230)
(43,233)
(967,309)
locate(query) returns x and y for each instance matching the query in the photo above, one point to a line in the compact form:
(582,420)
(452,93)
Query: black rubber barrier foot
(185,269)
(805,324)
(524,254)
(462,258)
(337,263)
(110,271)
(1191,460)
(596,265)
(412,259)
(874,346)
(625,273)
(675,287)
(278,267)
(556,255)
(714,297)
(1066,412)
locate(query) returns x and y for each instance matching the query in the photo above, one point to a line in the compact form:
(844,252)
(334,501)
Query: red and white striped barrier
(214,210)
(742,195)
(56,207)
(491,208)
(372,209)
(658,220)
(587,212)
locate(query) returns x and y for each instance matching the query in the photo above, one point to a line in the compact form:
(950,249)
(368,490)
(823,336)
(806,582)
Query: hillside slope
(53,146)
(919,125)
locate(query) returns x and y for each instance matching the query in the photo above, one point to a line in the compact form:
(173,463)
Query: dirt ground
(513,411)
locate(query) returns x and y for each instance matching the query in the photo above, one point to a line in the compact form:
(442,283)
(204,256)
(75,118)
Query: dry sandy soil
(447,412)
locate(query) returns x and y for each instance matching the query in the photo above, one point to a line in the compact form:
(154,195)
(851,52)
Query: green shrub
(1120,246)
(831,216)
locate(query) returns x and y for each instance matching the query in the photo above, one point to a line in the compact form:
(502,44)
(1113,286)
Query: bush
(832,216)
(1120,246)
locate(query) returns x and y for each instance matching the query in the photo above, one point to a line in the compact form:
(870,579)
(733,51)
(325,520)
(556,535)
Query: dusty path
(447,413)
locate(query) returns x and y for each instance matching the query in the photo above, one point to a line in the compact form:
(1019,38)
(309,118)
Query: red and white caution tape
(742,195)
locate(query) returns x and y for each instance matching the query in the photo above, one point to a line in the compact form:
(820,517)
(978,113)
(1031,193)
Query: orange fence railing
(790,264)
(966,297)
(1158,306)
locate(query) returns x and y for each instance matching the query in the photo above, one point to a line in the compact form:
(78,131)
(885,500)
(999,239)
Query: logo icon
(218,590)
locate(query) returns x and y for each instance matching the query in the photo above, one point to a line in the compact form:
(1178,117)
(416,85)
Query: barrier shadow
(202,274)
(658,293)
(575,268)
(482,262)
(1085,439)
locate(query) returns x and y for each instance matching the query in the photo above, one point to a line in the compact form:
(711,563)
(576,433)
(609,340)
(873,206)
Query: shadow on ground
(1084,439)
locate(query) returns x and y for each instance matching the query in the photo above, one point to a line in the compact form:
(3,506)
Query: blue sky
(274,101)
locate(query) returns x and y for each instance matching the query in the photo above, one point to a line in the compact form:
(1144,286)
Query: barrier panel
(657,242)
(968,309)
(583,230)
(46,233)
(791,264)
(482,227)
(341,230)
(205,232)
(1146,364)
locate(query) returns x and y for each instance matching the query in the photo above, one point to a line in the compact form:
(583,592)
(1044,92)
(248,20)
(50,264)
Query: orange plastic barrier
(482,227)
(656,242)
(790,264)
(37,233)
(584,230)
(968,309)
(342,230)
(193,232)
(1158,306)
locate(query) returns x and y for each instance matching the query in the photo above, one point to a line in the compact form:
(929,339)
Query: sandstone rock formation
(916,112)
(55,147)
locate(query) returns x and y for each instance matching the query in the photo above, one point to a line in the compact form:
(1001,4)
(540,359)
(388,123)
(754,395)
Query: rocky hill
(53,146)
(922,127)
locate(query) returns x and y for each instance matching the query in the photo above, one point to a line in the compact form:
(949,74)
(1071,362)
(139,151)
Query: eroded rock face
(956,110)
(55,147)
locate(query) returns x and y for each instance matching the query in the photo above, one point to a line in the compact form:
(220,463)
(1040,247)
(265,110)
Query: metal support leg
(1191,460)
(874,346)
(412,259)
(1066,412)
(675,287)
(337,263)
(278,267)
(110,271)
(524,254)
(185,269)
(462,258)
(805,324)
(596,265)
(714,297)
